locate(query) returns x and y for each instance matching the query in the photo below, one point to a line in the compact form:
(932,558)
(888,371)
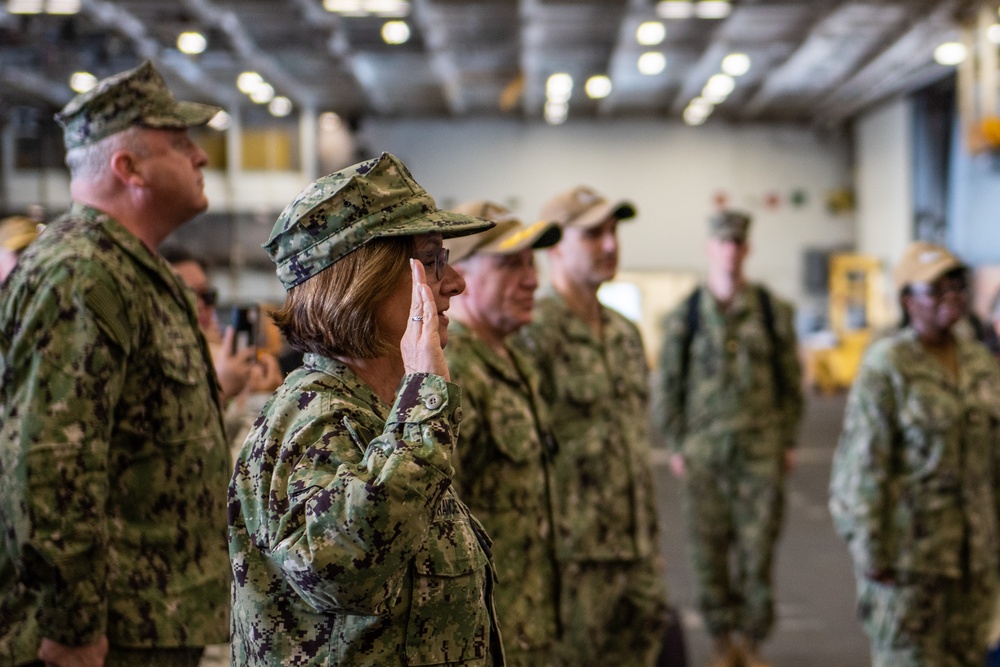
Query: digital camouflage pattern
(339,213)
(596,390)
(725,419)
(915,485)
(348,544)
(729,226)
(137,97)
(504,459)
(113,462)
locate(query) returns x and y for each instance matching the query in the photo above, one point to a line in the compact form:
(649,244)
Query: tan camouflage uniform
(114,462)
(724,420)
(349,545)
(915,492)
(614,599)
(504,476)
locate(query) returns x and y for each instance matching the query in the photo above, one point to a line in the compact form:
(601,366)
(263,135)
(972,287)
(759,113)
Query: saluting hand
(421,343)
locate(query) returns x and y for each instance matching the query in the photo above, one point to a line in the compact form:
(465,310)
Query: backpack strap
(767,308)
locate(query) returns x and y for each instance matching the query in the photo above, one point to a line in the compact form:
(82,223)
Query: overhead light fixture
(993,33)
(718,88)
(345,7)
(191,43)
(651,63)
(387,7)
(395,32)
(63,7)
(675,9)
(81,82)
(280,106)
(701,104)
(556,112)
(221,121)
(950,53)
(247,81)
(650,33)
(696,115)
(559,88)
(24,6)
(597,87)
(736,64)
(263,93)
(712,9)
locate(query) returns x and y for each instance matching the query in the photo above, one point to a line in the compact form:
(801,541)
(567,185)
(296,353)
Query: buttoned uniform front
(915,493)
(114,461)
(349,545)
(723,410)
(503,472)
(596,390)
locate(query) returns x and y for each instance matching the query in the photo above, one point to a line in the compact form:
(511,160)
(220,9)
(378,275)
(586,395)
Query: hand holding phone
(246,320)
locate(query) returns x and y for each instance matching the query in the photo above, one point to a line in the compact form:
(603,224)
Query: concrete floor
(816,624)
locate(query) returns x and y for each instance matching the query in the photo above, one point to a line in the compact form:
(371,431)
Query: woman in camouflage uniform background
(915,489)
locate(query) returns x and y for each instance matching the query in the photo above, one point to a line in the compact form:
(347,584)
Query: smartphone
(246,321)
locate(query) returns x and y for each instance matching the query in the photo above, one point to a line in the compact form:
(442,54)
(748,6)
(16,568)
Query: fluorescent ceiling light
(556,112)
(395,32)
(24,6)
(694,116)
(221,121)
(993,33)
(559,87)
(263,93)
(247,81)
(81,82)
(280,106)
(191,43)
(64,7)
(712,9)
(675,9)
(718,88)
(650,33)
(950,53)
(651,63)
(387,7)
(598,87)
(736,64)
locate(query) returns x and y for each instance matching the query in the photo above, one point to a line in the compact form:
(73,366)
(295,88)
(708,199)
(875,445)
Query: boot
(750,654)
(725,653)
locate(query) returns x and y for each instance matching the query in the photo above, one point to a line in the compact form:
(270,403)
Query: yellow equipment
(855,300)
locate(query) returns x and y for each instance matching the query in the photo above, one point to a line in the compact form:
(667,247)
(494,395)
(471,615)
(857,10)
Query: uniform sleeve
(860,481)
(791,369)
(66,372)
(668,384)
(342,533)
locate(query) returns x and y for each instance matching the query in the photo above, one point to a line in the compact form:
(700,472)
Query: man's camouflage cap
(339,213)
(137,97)
(508,237)
(583,207)
(729,226)
(924,262)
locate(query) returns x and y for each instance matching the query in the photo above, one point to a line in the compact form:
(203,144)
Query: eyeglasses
(939,288)
(440,259)
(209,296)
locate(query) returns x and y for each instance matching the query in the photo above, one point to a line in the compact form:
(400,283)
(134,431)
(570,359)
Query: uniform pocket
(448,620)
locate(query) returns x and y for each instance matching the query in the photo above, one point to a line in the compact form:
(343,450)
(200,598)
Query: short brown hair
(334,312)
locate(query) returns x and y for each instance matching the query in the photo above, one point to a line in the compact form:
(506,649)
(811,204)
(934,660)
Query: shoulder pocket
(181,359)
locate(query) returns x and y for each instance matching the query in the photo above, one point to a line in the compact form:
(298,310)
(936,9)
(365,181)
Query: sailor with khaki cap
(117,462)
(349,544)
(505,448)
(594,373)
(915,483)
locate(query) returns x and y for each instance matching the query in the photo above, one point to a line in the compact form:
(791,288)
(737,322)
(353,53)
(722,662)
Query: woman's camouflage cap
(339,213)
(138,96)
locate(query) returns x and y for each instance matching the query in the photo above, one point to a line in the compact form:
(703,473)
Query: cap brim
(448,223)
(184,114)
(537,236)
(622,210)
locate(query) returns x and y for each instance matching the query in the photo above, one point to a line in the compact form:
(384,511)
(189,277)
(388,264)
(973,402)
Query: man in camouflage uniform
(594,380)
(915,485)
(113,463)
(728,402)
(505,447)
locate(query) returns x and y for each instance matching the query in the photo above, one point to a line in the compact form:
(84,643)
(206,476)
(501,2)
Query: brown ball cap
(924,262)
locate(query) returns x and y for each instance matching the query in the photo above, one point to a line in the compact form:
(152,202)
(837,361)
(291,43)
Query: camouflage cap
(137,97)
(508,237)
(17,232)
(583,207)
(339,213)
(924,262)
(729,226)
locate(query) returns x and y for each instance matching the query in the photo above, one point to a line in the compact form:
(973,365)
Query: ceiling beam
(442,60)
(56,94)
(893,69)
